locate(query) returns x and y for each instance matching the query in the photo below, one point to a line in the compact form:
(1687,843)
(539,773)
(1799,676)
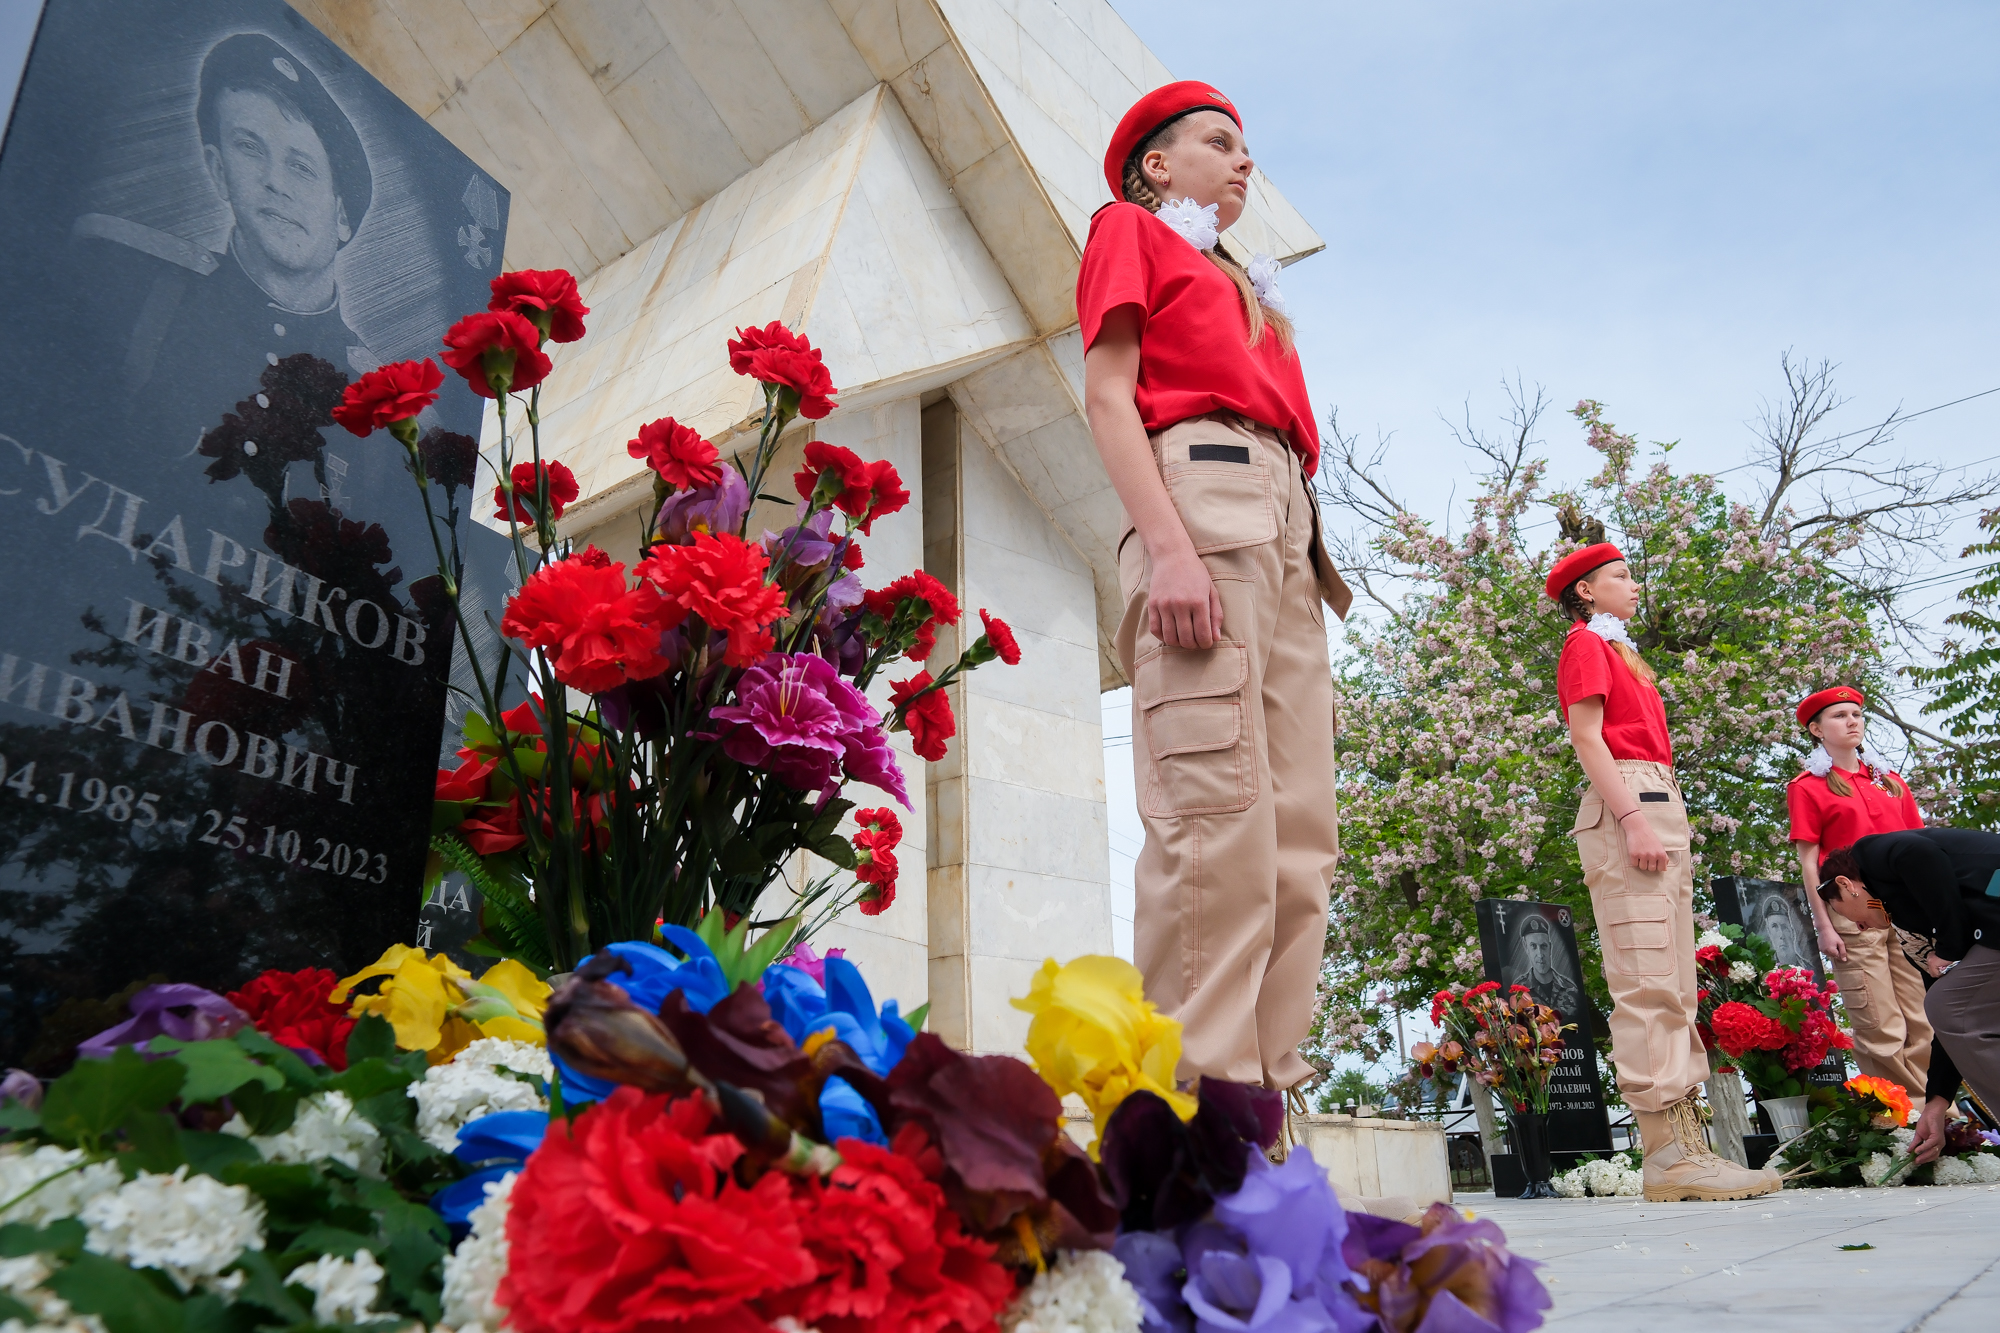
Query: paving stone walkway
(1765,1265)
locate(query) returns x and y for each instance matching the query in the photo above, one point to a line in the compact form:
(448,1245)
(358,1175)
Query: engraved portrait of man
(1777,920)
(1539,962)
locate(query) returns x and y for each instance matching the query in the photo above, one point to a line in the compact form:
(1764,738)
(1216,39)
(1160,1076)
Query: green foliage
(740,960)
(1965,685)
(1349,1087)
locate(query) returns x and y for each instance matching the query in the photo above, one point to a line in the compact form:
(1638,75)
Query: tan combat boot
(1680,1166)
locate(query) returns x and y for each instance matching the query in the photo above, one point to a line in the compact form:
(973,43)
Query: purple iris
(1154,1267)
(806,544)
(183,1012)
(717,508)
(1446,1276)
(795,716)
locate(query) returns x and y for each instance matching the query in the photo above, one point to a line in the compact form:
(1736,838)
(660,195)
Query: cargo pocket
(1637,933)
(1223,506)
(1855,998)
(1192,701)
(1593,832)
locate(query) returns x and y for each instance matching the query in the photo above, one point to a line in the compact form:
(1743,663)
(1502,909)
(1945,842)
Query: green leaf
(1864,1245)
(63,1239)
(365,1078)
(96,1096)
(330,1240)
(710,930)
(371,1038)
(294,1194)
(284,1059)
(152,1143)
(740,856)
(448,814)
(266,1111)
(915,1018)
(767,948)
(411,1260)
(215,1068)
(10,1308)
(263,1287)
(128,1300)
(14,1115)
(213,1154)
(206,1312)
(478,733)
(837,850)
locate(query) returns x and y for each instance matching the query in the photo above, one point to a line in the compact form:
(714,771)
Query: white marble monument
(909,183)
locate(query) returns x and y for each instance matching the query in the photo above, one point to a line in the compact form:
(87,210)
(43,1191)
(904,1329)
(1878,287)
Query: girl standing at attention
(1632,837)
(1199,410)
(1845,793)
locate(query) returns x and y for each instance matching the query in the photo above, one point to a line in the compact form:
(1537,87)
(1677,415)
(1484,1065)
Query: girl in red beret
(1632,838)
(1199,409)
(1845,793)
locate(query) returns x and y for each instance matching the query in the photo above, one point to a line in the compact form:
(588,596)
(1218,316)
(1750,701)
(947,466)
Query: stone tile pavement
(1770,1265)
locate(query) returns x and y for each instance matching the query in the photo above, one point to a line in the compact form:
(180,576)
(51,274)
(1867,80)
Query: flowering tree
(1967,699)
(1456,777)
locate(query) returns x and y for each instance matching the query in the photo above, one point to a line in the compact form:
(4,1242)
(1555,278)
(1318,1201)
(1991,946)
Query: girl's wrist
(1628,814)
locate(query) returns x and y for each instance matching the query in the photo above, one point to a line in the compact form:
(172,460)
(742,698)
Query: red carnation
(291,1009)
(629,1217)
(883,823)
(1439,1003)
(850,556)
(1001,637)
(890,1255)
(886,494)
(597,633)
(546,297)
(467,782)
(497,352)
(1740,1028)
(682,458)
(562,490)
(391,393)
(821,458)
(490,830)
(880,832)
(928,720)
(776,355)
(1710,957)
(938,604)
(718,578)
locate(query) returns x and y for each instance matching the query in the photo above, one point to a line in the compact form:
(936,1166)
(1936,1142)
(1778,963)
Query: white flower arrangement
(1712,939)
(1192,222)
(344,1290)
(50,1183)
(1263,273)
(22,1279)
(1083,1291)
(1741,971)
(192,1228)
(1875,1172)
(1604,1178)
(489,1075)
(473,1271)
(327,1128)
(1819,763)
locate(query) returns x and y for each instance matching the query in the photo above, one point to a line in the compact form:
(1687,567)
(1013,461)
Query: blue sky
(1638,202)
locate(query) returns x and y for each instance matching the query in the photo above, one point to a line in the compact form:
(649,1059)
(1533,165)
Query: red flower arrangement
(291,1008)
(1740,1029)
(718,578)
(787,362)
(389,394)
(680,456)
(1510,1042)
(923,710)
(563,491)
(907,613)
(875,847)
(597,632)
(496,352)
(546,298)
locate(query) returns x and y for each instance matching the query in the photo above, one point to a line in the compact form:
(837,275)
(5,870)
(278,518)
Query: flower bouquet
(1859,1138)
(1511,1043)
(692,718)
(1773,1024)
(708,1141)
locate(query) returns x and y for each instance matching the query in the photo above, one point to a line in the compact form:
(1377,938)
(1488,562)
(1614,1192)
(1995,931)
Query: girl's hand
(1183,609)
(1642,845)
(1832,945)
(1936,966)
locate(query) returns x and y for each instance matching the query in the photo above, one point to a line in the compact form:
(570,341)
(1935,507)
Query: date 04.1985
(89,797)
(287,846)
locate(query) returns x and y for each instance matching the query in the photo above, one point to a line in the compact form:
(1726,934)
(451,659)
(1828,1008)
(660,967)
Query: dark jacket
(1942,883)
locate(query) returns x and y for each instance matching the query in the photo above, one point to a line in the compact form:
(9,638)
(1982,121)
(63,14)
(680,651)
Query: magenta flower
(187,1013)
(810,963)
(796,717)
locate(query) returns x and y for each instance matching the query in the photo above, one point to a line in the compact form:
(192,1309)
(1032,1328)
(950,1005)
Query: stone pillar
(1729,1118)
(1491,1140)
(1018,843)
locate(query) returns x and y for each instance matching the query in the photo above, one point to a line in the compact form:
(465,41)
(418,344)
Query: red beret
(1152,111)
(1578,563)
(1815,704)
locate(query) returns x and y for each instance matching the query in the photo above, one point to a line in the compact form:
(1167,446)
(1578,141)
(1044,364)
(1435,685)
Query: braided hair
(1579,611)
(1139,190)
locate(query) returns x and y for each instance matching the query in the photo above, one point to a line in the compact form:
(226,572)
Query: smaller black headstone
(1534,945)
(1778,913)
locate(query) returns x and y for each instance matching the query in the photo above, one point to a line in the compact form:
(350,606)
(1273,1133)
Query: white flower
(1742,971)
(1192,222)
(343,1289)
(70,1184)
(1712,938)
(1084,1291)
(192,1228)
(1819,763)
(449,1096)
(473,1271)
(22,1279)
(1263,273)
(327,1127)
(1610,629)
(1953,1171)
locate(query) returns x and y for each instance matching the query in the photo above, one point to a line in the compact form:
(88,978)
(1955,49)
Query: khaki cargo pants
(1645,924)
(1232,752)
(1883,994)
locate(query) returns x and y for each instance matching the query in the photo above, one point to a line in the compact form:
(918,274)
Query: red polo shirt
(1635,721)
(1194,357)
(1834,821)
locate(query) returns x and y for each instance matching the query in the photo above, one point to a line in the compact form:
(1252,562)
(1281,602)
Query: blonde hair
(1580,613)
(1140,191)
(1887,781)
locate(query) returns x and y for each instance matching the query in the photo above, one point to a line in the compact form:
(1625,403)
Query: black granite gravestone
(1779,913)
(222,649)
(1534,945)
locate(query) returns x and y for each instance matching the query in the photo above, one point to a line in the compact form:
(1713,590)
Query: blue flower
(802,1007)
(496,1144)
(655,975)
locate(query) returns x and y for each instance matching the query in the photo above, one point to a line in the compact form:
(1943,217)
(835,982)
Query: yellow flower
(435,1006)
(1094,1034)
